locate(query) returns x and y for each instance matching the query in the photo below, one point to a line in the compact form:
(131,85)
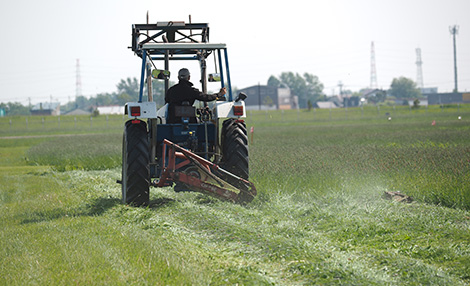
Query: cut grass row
(55,235)
(71,228)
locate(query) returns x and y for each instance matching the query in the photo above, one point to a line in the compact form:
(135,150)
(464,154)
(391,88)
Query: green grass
(84,152)
(53,125)
(430,163)
(319,217)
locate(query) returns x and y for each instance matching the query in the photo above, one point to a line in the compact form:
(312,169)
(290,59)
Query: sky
(42,40)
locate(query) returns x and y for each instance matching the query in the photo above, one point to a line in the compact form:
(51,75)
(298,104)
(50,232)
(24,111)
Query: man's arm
(209,97)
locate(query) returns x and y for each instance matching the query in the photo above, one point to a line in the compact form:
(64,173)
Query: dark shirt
(184,91)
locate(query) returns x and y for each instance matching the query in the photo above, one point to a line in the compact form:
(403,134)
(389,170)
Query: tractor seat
(176,113)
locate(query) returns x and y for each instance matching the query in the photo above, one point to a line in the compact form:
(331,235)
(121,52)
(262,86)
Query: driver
(184,91)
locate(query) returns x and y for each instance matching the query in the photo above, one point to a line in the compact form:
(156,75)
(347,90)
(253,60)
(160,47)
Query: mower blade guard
(215,181)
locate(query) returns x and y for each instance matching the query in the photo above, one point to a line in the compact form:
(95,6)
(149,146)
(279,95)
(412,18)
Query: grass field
(319,217)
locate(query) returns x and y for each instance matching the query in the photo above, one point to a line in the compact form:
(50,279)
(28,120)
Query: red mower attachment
(199,174)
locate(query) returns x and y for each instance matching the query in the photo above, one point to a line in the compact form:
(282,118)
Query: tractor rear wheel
(235,158)
(135,164)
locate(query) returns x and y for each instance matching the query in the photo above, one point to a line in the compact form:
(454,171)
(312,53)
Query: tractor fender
(230,109)
(141,109)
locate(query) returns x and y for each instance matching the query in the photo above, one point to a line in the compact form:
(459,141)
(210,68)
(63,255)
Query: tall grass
(427,162)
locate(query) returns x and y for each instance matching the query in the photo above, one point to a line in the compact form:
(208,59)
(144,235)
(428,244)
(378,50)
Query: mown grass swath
(319,217)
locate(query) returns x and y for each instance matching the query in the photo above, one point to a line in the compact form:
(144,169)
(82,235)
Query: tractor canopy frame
(168,41)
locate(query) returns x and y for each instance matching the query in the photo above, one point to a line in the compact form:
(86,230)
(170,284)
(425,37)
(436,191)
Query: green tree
(14,108)
(123,98)
(158,91)
(314,87)
(130,86)
(103,99)
(67,107)
(83,103)
(309,105)
(306,87)
(378,96)
(273,81)
(404,88)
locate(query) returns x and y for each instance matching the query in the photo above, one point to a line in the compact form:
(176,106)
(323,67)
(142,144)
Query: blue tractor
(201,148)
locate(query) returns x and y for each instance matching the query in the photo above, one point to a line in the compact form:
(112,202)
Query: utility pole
(373,70)
(340,85)
(454,31)
(78,81)
(419,72)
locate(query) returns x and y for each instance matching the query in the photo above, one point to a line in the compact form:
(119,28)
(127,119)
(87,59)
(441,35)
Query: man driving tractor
(183,93)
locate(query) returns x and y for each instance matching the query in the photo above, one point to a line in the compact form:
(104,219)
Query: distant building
(371,93)
(268,97)
(325,104)
(448,98)
(112,109)
(428,90)
(466,97)
(352,101)
(46,109)
(337,100)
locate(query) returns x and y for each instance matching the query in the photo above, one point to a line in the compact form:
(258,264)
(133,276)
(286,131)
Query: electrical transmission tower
(373,72)
(454,31)
(419,65)
(78,81)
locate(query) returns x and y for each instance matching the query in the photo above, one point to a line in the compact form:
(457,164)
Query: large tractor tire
(234,144)
(135,164)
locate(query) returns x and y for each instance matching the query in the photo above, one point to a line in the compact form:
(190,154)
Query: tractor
(203,148)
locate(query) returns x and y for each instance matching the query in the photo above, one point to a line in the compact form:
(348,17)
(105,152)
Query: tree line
(127,90)
(307,87)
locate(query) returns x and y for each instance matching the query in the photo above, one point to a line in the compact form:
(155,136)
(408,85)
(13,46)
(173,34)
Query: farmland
(319,217)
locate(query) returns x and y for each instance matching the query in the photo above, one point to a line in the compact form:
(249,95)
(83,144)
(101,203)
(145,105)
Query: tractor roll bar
(184,41)
(160,51)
